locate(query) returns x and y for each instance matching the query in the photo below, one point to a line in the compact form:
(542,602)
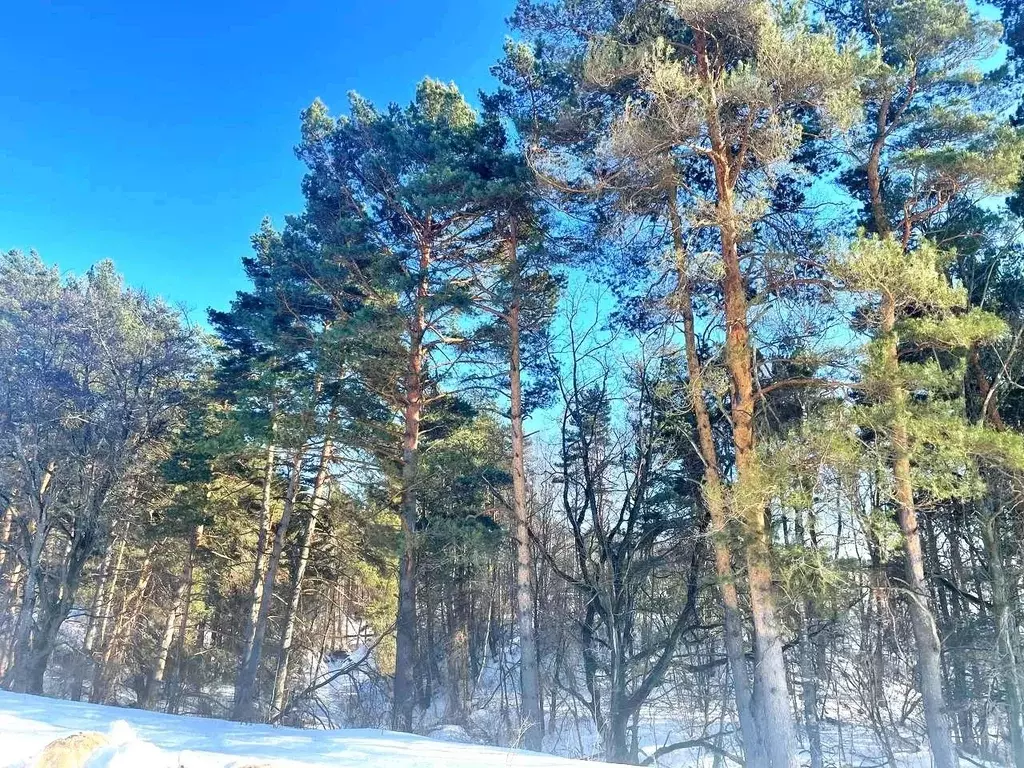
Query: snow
(152,740)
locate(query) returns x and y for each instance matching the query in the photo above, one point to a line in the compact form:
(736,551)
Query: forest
(664,403)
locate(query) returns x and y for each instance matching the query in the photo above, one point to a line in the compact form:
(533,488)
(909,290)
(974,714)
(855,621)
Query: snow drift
(141,739)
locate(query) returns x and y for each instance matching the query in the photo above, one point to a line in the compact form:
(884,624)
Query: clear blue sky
(159,134)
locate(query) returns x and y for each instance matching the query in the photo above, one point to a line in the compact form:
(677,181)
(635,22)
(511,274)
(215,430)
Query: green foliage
(923,397)
(880,266)
(781,66)
(808,573)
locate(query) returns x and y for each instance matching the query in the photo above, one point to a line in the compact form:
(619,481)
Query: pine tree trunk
(405,625)
(95,611)
(457,656)
(316,506)
(5,535)
(174,686)
(156,682)
(1007,633)
(260,565)
(955,677)
(17,677)
(244,707)
(808,673)
(922,620)
(773,697)
(532,722)
(772,700)
(109,668)
(714,500)
(929,656)
(106,614)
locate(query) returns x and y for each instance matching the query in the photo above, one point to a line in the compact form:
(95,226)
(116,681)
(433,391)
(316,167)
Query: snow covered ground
(143,739)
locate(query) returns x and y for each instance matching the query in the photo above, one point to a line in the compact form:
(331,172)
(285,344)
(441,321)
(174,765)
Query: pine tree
(406,190)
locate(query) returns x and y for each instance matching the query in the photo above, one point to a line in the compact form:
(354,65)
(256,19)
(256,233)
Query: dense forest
(663,404)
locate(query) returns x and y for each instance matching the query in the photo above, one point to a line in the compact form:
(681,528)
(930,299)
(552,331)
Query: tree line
(679,381)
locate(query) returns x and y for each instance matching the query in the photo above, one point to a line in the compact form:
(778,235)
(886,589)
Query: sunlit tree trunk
(405,626)
(529,672)
(776,719)
(260,565)
(174,686)
(714,500)
(922,620)
(244,707)
(317,503)
(108,670)
(5,534)
(18,677)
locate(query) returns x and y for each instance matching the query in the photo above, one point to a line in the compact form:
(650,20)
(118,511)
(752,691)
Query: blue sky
(159,134)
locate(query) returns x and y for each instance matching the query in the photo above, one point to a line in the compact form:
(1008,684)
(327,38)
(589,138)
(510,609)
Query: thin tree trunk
(532,721)
(873,170)
(808,674)
(457,656)
(156,682)
(5,534)
(316,505)
(174,686)
(11,609)
(1006,637)
(166,641)
(107,598)
(244,706)
(922,620)
(108,671)
(955,678)
(260,564)
(18,677)
(95,611)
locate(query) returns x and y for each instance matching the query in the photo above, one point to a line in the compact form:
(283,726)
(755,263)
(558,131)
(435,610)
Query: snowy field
(143,739)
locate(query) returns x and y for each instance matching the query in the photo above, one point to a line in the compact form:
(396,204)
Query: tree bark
(244,707)
(260,565)
(174,686)
(5,535)
(17,677)
(54,610)
(166,641)
(776,718)
(108,671)
(532,721)
(95,611)
(1007,633)
(316,506)
(873,170)
(105,608)
(714,500)
(773,697)
(808,673)
(926,638)
(405,625)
